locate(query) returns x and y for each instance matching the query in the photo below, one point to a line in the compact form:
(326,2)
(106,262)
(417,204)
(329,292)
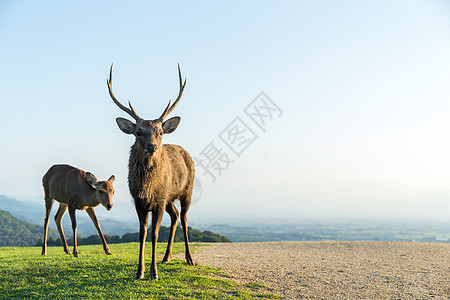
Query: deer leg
(184,208)
(173,212)
(157,214)
(48,208)
(143,224)
(90,211)
(58,217)
(74,228)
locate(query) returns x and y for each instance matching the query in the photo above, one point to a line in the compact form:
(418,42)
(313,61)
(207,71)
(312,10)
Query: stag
(157,175)
(75,189)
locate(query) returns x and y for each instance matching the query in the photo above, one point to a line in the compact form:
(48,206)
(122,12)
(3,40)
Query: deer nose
(108,206)
(151,148)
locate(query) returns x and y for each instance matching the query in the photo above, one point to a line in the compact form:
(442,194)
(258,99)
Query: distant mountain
(35,213)
(24,210)
(17,213)
(15,232)
(194,236)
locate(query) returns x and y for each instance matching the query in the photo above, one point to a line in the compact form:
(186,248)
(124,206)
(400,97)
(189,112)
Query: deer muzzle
(151,148)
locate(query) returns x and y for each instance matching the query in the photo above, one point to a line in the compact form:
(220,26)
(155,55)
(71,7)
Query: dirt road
(337,270)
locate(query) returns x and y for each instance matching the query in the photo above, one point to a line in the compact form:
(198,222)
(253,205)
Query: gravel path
(337,270)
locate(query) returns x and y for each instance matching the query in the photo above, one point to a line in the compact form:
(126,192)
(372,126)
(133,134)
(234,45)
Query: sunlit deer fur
(157,175)
(75,189)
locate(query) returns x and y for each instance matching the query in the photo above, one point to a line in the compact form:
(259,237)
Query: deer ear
(91,179)
(125,125)
(171,124)
(112,179)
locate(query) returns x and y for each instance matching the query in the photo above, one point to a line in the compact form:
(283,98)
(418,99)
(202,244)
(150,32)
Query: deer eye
(139,133)
(100,191)
(161,133)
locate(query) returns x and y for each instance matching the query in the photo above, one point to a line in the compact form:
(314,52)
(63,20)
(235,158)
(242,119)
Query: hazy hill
(35,212)
(194,236)
(24,210)
(15,232)
(16,228)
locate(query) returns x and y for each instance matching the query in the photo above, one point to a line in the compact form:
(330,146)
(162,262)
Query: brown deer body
(75,189)
(157,175)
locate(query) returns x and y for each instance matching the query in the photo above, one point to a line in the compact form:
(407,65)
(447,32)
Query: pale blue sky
(364,89)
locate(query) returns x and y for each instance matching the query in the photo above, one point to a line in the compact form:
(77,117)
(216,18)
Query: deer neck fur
(90,201)
(147,175)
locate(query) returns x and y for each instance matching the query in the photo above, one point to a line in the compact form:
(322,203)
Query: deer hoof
(75,254)
(139,276)
(190,261)
(154,277)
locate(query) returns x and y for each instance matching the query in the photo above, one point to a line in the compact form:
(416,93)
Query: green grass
(26,274)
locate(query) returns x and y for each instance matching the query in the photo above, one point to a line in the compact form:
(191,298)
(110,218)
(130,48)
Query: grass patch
(26,274)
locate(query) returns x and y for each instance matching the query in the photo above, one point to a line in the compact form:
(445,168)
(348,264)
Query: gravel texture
(337,270)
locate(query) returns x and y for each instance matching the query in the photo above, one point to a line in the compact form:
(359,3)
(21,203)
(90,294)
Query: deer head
(104,190)
(148,133)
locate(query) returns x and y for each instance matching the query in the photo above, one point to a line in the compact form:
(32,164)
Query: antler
(169,108)
(130,110)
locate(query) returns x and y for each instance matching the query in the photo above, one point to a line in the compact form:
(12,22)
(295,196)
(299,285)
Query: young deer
(75,189)
(157,175)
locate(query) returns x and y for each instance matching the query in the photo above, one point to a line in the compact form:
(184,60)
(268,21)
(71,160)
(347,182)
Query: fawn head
(104,190)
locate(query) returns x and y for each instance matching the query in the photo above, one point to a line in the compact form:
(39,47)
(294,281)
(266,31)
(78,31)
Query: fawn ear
(91,179)
(112,179)
(171,124)
(125,125)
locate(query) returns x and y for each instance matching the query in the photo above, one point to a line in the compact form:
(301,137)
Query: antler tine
(169,108)
(130,110)
(164,114)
